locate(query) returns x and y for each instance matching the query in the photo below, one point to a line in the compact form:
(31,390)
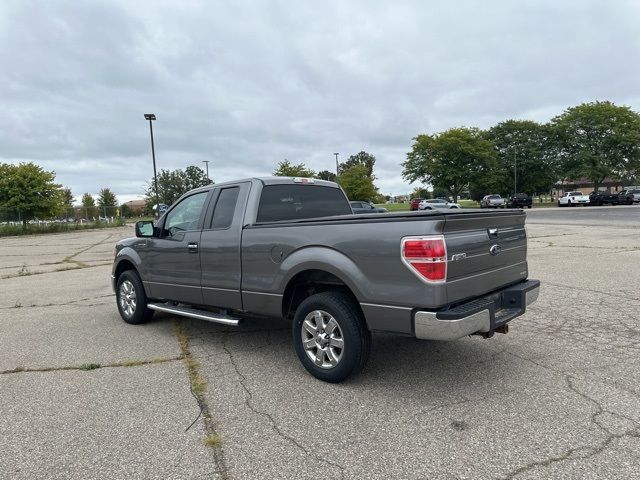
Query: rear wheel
(330,336)
(131,299)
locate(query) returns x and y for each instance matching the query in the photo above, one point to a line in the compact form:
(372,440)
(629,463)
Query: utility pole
(337,165)
(151,117)
(206,162)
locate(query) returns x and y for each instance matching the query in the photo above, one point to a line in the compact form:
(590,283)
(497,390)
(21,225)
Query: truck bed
(364,252)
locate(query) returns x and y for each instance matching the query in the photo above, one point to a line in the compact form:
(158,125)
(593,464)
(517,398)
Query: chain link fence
(15,222)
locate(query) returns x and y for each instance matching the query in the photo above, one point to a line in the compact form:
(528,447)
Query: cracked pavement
(557,397)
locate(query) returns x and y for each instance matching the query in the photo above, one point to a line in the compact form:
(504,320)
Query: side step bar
(194,313)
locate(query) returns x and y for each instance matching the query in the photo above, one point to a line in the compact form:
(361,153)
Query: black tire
(355,335)
(571,204)
(528,206)
(141,313)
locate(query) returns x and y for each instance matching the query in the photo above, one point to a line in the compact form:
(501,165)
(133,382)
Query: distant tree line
(593,140)
(28,192)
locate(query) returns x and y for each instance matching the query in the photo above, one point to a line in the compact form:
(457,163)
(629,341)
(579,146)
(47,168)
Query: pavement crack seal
(198,387)
(269,417)
(73,303)
(66,266)
(589,451)
(93,366)
(79,264)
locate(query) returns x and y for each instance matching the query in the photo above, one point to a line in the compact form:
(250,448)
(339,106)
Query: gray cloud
(247,84)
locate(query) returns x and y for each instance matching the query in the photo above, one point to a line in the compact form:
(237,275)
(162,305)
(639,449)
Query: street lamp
(206,162)
(515,173)
(151,117)
(337,167)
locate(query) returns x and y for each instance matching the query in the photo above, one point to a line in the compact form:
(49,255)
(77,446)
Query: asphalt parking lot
(84,395)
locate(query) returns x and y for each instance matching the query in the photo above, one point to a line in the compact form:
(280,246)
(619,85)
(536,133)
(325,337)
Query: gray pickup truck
(292,248)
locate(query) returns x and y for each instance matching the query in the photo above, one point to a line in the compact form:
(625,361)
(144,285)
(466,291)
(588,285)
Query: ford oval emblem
(495,249)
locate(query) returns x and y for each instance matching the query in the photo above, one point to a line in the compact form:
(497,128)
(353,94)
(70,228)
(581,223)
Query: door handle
(193,247)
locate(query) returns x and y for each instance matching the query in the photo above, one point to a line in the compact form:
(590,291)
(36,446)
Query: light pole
(206,162)
(151,117)
(515,173)
(337,167)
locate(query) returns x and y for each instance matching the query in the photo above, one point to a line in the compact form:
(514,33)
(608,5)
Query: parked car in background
(602,198)
(629,197)
(519,200)
(366,207)
(415,202)
(492,201)
(571,199)
(438,203)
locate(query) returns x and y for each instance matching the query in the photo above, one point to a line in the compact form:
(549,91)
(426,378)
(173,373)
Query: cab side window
(185,215)
(225,208)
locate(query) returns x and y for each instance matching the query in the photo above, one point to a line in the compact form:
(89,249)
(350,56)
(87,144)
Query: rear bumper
(481,315)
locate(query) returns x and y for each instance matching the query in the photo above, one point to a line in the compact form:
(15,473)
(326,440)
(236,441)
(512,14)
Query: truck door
(173,258)
(220,246)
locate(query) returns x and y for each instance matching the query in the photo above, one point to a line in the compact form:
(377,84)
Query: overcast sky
(247,84)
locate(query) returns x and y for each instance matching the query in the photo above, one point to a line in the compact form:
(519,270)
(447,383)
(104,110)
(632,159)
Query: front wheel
(131,299)
(330,336)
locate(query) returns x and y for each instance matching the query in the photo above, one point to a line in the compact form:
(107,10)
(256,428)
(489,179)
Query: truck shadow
(398,366)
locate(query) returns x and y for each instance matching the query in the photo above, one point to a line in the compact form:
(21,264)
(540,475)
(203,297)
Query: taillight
(426,256)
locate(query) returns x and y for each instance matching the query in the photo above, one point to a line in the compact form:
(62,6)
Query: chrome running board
(195,313)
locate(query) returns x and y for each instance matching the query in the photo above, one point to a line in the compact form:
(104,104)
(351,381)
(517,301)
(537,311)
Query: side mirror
(144,228)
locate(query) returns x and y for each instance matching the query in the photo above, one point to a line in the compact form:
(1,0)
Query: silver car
(438,203)
(492,201)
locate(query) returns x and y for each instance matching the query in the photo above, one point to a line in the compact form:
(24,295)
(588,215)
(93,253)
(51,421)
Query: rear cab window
(294,202)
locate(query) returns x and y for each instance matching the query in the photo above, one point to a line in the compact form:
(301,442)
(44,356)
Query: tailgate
(485,251)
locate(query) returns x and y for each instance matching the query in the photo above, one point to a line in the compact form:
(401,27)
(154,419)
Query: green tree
(449,160)
(598,140)
(28,191)
(125,211)
(287,169)
(327,175)
(67,198)
(172,184)
(88,205)
(106,198)
(420,192)
(362,158)
(357,184)
(526,160)
(195,177)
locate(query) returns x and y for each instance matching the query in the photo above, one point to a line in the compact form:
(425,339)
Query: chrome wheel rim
(322,339)
(127,298)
